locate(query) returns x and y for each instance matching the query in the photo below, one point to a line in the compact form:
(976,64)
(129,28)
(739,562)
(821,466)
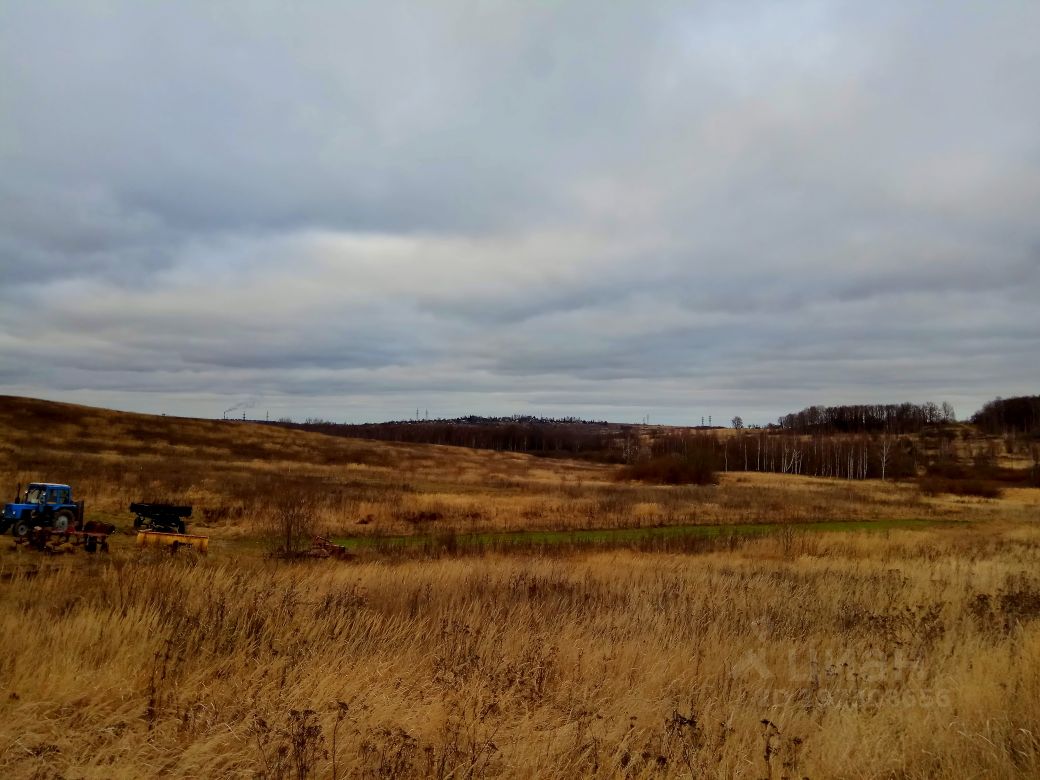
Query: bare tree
(738,423)
(884,453)
(293,523)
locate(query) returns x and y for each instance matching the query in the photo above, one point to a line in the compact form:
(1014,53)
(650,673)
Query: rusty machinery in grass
(92,537)
(46,518)
(163,525)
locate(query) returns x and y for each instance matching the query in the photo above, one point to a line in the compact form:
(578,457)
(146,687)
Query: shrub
(947,470)
(933,486)
(983,474)
(291,525)
(673,470)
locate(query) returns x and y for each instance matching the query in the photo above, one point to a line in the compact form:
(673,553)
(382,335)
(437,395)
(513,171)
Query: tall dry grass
(903,655)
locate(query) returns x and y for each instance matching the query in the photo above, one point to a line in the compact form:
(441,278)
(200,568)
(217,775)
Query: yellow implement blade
(173,541)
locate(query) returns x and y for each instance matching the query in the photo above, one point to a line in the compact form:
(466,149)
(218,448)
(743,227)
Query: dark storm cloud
(351,209)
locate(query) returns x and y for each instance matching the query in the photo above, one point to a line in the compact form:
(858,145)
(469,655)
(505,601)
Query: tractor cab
(46,493)
(45,504)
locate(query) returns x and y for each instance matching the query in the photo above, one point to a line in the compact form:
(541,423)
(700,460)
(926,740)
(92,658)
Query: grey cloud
(566,207)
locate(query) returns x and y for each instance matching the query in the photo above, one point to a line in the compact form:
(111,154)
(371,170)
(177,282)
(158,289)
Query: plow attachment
(172,541)
(93,537)
(323,548)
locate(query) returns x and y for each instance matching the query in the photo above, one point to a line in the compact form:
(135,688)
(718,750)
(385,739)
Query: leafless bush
(933,486)
(673,469)
(292,523)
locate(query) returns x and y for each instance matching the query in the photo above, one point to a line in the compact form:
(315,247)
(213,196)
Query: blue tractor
(46,505)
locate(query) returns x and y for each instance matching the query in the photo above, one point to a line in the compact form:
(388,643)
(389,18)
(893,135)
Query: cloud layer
(607,210)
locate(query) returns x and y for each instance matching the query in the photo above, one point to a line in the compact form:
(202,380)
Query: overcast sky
(599,209)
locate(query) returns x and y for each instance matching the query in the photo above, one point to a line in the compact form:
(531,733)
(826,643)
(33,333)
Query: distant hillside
(568,437)
(852,442)
(228,467)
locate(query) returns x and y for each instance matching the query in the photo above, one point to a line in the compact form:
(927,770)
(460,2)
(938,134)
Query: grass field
(612,537)
(573,625)
(898,654)
(233,473)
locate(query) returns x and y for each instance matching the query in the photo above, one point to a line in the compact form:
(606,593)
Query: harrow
(93,537)
(323,548)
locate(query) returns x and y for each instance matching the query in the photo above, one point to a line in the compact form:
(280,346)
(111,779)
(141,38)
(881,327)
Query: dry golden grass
(914,654)
(232,473)
(897,654)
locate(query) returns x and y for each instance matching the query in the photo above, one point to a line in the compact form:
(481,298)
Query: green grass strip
(625,535)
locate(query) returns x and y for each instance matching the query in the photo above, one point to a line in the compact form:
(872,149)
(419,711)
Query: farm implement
(162,525)
(172,542)
(323,548)
(167,518)
(320,548)
(46,518)
(92,538)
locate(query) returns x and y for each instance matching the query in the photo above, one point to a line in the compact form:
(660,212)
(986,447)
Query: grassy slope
(233,472)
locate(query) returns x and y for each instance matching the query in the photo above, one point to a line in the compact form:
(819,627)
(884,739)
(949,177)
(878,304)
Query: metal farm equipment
(160,517)
(44,505)
(162,525)
(172,542)
(323,548)
(46,518)
(320,548)
(92,537)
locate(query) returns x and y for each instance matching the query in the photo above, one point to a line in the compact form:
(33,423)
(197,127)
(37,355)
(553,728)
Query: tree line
(868,418)
(862,456)
(1002,416)
(866,441)
(569,437)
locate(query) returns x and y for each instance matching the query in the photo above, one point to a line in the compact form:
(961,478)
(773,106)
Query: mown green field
(608,537)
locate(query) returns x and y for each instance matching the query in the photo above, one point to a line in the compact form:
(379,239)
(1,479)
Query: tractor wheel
(21,527)
(62,520)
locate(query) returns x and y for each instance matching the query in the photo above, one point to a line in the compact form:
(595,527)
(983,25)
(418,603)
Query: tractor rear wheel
(62,520)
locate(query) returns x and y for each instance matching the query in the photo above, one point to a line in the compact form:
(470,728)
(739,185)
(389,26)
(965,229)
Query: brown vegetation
(913,655)
(903,654)
(234,473)
(673,469)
